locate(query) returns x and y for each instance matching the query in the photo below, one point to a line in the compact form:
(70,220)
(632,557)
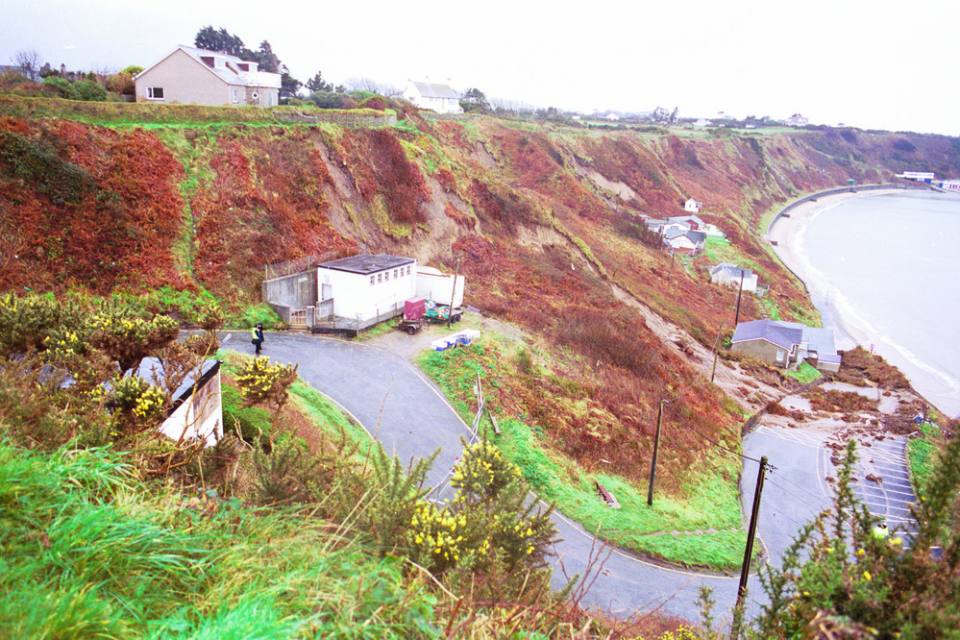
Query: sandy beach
(787,235)
(851,324)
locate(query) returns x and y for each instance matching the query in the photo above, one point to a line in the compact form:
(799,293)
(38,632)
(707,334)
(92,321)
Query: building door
(326,292)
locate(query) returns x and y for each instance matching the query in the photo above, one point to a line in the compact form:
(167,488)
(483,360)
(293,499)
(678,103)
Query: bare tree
(369,84)
(28,61)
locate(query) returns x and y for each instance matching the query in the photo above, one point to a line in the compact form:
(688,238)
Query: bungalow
(355,292)
(438,97)
(692,206)
(197,410)
(199,76)
(683,240)
(692,222)
(786,344)
(728,275)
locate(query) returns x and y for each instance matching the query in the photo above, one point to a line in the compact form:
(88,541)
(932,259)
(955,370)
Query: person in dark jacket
(256,337)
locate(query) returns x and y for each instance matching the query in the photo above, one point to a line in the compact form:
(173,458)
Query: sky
(873,64)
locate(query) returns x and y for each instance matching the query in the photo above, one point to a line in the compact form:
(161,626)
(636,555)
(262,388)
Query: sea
(886,274)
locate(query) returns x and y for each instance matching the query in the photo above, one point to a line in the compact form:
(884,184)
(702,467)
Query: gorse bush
(262,382)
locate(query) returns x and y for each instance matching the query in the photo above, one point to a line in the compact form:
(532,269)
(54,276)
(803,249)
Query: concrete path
(405,411)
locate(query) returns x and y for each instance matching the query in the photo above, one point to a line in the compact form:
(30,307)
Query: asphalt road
(404,410)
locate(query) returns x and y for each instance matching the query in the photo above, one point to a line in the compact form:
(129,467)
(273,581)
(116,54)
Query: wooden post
(656,450)
(453,293)
(736,321)
(716,351)
(751,535)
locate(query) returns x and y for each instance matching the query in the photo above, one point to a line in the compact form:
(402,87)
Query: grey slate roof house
(786,344)
(681,239)
(728,275)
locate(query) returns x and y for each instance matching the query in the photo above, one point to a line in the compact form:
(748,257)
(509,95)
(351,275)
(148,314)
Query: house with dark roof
(197,76)
(441,98)
(197,410)
(786,344)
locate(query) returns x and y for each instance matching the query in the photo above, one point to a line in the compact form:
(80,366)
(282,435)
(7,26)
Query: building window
(386,276)
(394,273)
(371,280)
(155,93)
(780,355)
(379,277)
(408,270)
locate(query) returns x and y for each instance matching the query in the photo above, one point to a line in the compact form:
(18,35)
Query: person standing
(256,337)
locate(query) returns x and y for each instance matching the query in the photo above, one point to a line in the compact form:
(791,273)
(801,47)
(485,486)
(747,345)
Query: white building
(434,285)
(366,288)
(197,410)
(728,275)
(678,239)
(438,97)
(197,76)
(702,123)
(918,176)
(950,185)
(797,120)
(692,206)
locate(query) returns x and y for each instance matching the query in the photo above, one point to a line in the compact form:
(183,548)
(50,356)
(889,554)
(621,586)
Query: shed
(365,288)
(197,410)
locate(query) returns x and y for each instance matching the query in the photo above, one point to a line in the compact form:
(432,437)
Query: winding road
(405,411)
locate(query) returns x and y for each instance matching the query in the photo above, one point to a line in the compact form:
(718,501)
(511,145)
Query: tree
(317,83)
(90,90)
(289,86)
(28,62)
(222,41)
(474,100)
(267,59)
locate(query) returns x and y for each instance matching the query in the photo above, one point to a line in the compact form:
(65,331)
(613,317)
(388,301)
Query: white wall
(724,278)
(438,287)
(198,417)
(355,298)
(183,80)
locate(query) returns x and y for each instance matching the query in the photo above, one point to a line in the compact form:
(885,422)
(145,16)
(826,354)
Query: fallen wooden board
(493,421)
(606,495)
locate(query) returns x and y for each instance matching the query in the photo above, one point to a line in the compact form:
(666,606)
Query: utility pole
(739,295)
(453,293)
(751,534)
(656,450)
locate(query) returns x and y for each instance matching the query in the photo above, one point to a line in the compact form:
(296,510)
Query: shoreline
(786,234)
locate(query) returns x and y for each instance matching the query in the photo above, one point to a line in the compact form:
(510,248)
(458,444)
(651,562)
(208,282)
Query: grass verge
(804,374)
(921,455)
(700,526)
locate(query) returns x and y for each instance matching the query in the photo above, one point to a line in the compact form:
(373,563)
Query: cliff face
(544,219)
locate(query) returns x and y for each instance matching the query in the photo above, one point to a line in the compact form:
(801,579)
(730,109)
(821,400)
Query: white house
(702,123)
(683,240)
(797,120)
(366,288)
(438,97)
(198,76)
(434,285)
(692,206)
(197,411)
(728,275)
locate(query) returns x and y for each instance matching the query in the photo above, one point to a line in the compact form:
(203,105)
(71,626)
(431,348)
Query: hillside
(544,219)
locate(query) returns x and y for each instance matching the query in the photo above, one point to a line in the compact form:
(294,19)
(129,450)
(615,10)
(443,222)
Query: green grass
(329,417)
(770,308)
(804,374)
(921,454)
(89,551)
(251,315)
(712,500)
(252,422)
(378,330)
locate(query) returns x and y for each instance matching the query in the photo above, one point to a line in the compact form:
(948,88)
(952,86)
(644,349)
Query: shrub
(140,404)
(62,86)
(262,382)
(90,90)
(127,338)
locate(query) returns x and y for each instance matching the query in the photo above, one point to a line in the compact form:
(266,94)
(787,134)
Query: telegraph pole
(656,450)
(716,351)
(751,534)
(739,295)
(453,293)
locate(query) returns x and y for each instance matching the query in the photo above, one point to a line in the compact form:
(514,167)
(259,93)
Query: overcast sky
(874,64)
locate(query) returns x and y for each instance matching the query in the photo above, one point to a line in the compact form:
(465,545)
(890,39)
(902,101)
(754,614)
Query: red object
(414,308)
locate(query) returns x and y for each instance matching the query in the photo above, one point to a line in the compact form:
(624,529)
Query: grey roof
(674,232)
(435,90)
(366,264)
(731,268)
(698,237)
(822,341)
(232,74)
(690,218)
(782,334)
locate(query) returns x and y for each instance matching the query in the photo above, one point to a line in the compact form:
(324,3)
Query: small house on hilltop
(198,76)
(692,205)
(786,344)
(197,411)
(728,275)
(430,95)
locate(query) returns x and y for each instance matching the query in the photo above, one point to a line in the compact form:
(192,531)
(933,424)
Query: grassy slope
(921,455)
(91,551)
(700,525)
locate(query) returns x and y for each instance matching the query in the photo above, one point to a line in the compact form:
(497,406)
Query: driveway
(399,406)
